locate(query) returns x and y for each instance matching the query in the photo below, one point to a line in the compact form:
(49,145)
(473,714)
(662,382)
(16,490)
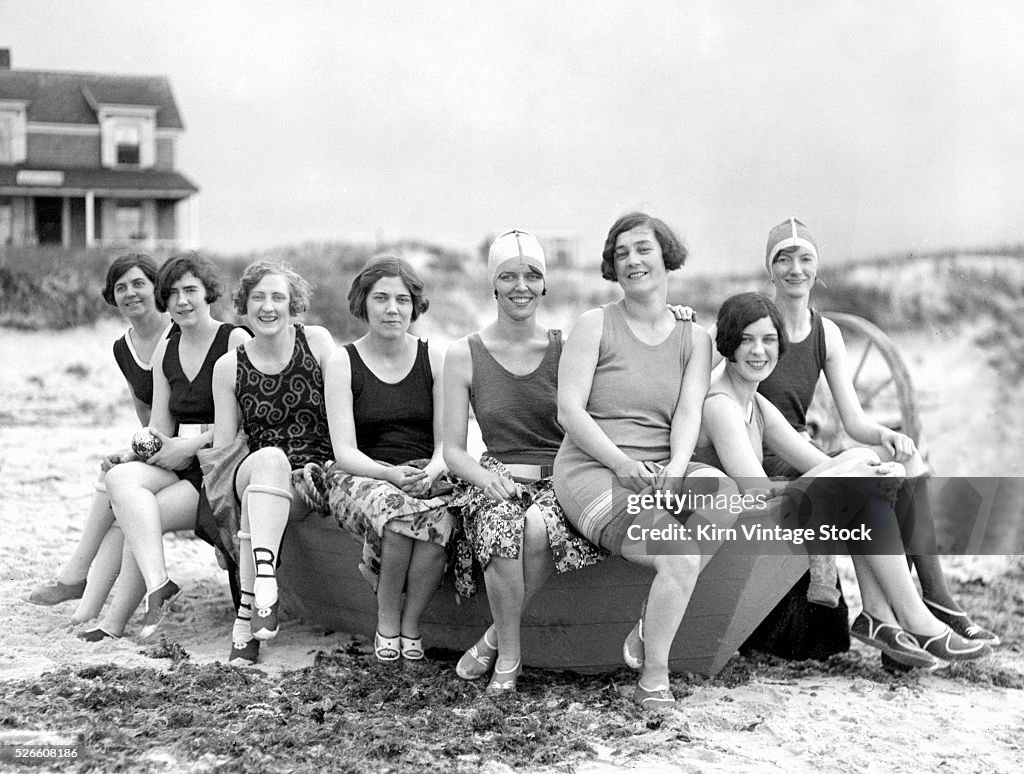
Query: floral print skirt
(491,529)
(366,506)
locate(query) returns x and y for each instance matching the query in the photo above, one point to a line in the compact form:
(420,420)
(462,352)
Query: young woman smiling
(272,388)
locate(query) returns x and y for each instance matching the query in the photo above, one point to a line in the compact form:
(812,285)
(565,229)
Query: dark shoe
(950,646)
(962,624)
(56,592)
(654,698)
(265,623)
(158,602)
(505,681)
(478,660)
(244,653)
(97,635)
(891,640)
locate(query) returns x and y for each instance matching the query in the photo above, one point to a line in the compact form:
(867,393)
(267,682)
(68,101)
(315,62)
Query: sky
(886,126)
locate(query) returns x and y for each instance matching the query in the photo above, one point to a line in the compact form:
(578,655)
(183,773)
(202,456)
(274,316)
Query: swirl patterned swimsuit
(285,410)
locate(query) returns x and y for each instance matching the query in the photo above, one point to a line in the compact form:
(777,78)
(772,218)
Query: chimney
(5,59)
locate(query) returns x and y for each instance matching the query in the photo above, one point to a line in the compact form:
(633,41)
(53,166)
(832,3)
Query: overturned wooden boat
(577,622)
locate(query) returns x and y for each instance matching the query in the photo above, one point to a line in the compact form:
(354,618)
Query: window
(127,142)
(12,132)
(128,221)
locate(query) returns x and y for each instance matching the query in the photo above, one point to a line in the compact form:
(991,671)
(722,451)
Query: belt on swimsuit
(191,430)
(527,473)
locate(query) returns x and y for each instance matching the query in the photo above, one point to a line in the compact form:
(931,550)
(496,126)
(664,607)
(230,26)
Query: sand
(58,414)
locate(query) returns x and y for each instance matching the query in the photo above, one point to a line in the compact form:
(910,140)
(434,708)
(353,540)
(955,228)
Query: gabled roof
(60,98)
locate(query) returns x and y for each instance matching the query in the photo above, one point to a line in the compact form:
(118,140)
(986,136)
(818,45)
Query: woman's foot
(505,680)
(961,623)
(157,603)
(54,593)
(411,647)
(947,645)
(265,624)
(478,660)
(654,698)
(386,649)
(891,640)
(244,653)
(97,634)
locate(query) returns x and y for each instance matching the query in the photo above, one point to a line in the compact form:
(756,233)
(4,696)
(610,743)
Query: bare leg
(511,583)
(104,571)
(396,554)
(424,576)
(94,532)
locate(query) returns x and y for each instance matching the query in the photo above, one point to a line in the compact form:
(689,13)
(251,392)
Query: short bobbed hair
(299,291)
(739,311)
(122,266)
(378,267)
(178,266)
(673,252)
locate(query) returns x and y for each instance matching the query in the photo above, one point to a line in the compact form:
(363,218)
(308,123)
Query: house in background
(87,160)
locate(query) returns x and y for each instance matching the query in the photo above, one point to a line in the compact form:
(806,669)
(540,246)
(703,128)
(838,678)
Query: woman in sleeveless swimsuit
(750,335)
(161,494)
(273,389)
(384,407)
(130,287)
(630,386)
(512,523)
(791,259)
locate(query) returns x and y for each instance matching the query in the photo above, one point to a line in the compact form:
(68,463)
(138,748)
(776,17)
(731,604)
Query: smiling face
(267,307)
(794,271)
(517,287)
(758,352)
(134,293)
(186,301)
(389,308)
(639,263)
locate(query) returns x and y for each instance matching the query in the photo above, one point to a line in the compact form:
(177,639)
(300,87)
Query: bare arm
(436,467)
(458,377)
(575,379)
(687,416)
(855,421)
(340,419)
(225,404)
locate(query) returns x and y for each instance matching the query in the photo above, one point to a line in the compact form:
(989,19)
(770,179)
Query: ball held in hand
(145,444)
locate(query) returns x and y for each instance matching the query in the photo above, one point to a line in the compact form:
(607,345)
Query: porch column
(90,219)
(65,222)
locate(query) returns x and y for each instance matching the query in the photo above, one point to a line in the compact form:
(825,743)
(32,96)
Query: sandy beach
(58,414)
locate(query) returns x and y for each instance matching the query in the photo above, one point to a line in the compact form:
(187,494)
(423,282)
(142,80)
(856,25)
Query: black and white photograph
(511,387)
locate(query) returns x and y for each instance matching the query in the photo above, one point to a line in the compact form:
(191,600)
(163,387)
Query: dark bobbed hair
(177,266)
(378,267)
(299,291)
(673,252)
(122,266)
(739,311)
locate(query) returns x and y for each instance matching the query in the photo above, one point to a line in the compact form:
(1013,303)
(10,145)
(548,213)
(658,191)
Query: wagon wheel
(882,382)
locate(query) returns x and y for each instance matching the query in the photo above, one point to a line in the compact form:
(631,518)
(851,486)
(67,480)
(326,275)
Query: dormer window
(129,136)
(127,142)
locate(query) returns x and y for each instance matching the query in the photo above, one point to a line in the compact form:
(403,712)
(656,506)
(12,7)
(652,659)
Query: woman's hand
(174,454)
(683,313)
(634,475)
(116,458)
(499,488)
(409,479)
(673,470)
(900,446)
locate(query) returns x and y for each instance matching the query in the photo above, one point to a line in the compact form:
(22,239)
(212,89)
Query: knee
(859,454)
(535,533)
(681,568)
(121,479)
(270,465)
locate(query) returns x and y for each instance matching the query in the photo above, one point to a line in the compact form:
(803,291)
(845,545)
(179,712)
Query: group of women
(570,431)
